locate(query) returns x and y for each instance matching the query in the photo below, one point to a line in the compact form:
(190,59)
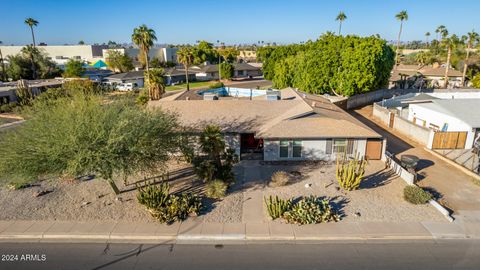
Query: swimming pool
(234,92)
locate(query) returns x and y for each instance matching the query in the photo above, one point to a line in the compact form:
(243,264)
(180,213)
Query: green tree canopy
(226,71)
(344,65)
(119,61)
(71,136)
(20,65)
(73,69)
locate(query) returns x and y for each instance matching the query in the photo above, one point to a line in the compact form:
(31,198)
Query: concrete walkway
(193,230)
(455,188)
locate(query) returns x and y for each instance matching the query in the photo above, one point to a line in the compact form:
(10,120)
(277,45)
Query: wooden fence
(449,140)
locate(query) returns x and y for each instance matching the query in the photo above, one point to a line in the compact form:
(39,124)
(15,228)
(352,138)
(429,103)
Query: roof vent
(210,96)
(273,95)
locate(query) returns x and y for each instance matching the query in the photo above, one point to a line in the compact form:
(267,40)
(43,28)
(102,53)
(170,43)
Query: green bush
(276,207)
(216,189)
(226,71)
(142,98)
(166,207)
(311,210)
(476,81)
(416,195)
(7,108)
(279,178)
(216,85)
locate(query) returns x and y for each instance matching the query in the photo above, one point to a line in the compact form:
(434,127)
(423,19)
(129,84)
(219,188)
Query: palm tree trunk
(398,44)
(340,28)
(186,77)
(34,69)
(449,54)
(33,36)
(147,76)
(465,66)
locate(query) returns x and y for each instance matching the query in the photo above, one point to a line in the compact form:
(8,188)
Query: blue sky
(231,21)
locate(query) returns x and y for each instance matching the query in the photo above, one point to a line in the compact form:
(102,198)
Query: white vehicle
(126,86)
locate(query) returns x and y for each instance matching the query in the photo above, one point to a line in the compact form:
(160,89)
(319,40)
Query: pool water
(234,92)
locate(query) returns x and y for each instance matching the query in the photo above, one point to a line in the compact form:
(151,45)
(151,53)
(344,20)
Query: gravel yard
(379,199)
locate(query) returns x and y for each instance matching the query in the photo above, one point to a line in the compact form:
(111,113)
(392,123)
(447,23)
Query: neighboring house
(418,76)
(449,115)
(8,90)
(171,76)
(241,70)
(136,78)
(293,127)
(177,76)
(247,55)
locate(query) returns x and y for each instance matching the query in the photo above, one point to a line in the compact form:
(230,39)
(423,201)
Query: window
(297,149)
(284,149)
(339,146)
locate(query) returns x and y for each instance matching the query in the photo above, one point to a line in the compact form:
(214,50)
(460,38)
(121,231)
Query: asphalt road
(447,254)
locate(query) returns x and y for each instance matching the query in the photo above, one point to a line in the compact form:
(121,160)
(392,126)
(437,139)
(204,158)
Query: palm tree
(440,29)
(340,17)
(450,43)
(31,51)
(156,83)
(186,57)
(31,23)
(427,35)
(471,38)
(144,38)
(212,142)
(401,16)
(4,75)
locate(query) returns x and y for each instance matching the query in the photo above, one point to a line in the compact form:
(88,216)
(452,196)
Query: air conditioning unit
(210,96)
(273,95)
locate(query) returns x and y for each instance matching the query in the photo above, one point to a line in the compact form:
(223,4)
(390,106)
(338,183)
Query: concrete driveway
(452,186)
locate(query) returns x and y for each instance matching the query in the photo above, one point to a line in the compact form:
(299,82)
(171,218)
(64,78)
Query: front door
(374,149)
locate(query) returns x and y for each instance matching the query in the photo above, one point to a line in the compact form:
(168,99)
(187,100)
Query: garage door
(374,149)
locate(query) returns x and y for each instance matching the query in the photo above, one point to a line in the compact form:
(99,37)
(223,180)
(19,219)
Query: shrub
(216,189)
(350,173)
(6,108)
(142,98)
(153,196)
(416,195)
(279,178)
(276,207)
(226,71)
(216,85)
(476,81)
(311,210)
(166,207)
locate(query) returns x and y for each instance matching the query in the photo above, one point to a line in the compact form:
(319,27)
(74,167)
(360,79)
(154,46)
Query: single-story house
(177,76)
(459,116)
(8,89)
(294,126)
(420,76)
(134,77)
(171,76)
(241,70)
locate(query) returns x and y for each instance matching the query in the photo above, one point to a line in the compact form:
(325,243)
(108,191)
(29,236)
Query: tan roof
(439,72)
(318,127)
(290,117)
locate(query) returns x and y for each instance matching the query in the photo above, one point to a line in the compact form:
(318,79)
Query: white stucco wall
(85,52)
(233,142)
(311,150)
(439,119)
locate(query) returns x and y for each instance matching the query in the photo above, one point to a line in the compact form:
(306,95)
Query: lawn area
(184,85)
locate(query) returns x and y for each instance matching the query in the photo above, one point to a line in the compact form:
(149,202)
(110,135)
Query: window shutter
(350,146)
(328,150)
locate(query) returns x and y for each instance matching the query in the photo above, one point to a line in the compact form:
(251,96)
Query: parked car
(126,86)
